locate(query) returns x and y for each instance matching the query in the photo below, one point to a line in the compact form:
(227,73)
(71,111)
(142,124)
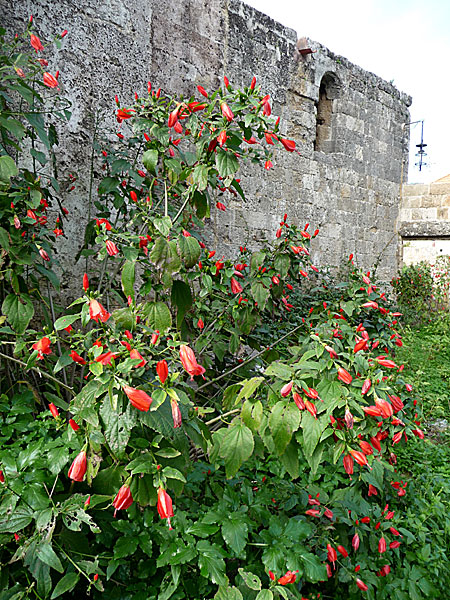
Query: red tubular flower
(155,337)
(2,477)
(43,347)
(372,411)
(359,457)
(389,364)
(268,165)
(299,401)
(202,91)
(372,490)
(221,206)
(78,467)
(288,144)
(236,287)
(366,447)
(64,33)
(360,345)
(355,542)
(286,389)
(200,323)
(190,363)
(408,387)
(74,425)
(106,358)
(77,358)
(222,137)
(366,386)
(289,577)
(138,398)
(52,408)
(226,111)
(123,499)
(362,586)
(164,505)
(135,354)
(348,464)
(342,551)
(50,81)
(328,513)
(85,282)
(397,404)
(384,407)
(36,43)
(97,312)
(311,408)
(332,352)
(331,554)
(176,413)
(272,576)
(349,420)
(382,545)
(162,370)
(173,117)
(253,83)
(111,248)
(124,113)
(44,254)
(344,376)
(133,196)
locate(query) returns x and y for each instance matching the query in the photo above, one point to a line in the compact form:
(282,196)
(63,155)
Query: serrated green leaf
(226,162)
(19,311)
(163,225)
(108,185)
(312,430)
(8,169)
(189,250)
(125,546)
(211,562)
(65,321)
(236,447)
(117,426)
(158,316)
(235,532)
(260,294)
(150,160)
(251,414)
(251,580)
(284,420)
(280,370)
(19,519)
(281,264)
(228,593)
(200,177)
(264,595)
(290,460)
(172,473)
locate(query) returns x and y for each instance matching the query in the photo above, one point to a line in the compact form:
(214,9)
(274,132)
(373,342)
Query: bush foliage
(202,427)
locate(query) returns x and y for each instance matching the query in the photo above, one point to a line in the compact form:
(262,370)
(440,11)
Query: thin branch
(20,362)
(249,359)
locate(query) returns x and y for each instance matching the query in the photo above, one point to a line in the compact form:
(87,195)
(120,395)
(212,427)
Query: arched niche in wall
(329,91)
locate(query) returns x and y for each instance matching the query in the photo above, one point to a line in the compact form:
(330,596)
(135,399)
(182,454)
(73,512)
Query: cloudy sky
(406,41)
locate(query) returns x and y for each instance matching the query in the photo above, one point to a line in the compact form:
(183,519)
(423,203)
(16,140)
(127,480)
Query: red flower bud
(123,499)
(78,468)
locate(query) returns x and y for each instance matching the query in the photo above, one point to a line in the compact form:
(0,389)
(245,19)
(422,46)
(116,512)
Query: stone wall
(424,223)
(345,182)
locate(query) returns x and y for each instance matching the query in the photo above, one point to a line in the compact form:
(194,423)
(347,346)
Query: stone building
(424,224)
(347,122)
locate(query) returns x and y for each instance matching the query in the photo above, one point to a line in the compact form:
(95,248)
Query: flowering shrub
(208,422)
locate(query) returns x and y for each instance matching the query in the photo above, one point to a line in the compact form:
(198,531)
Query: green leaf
(141,464)
(252,581)
(108,185)
(284,420)
(252,413)
(236,447)
(290,459)
(19,519)
(202,530)
(257,260)
(172,473)
(181,297)
(158,316)
(280,370)
(36,120)
(312,430)
(264,595)
(228,593)
(48,556)
(125,546)
(65,321)
(163,225)
(18,310)
(315,570)
(165,256)
(39,156)
(211,562)
(260,294)
(189,250)
(235,532)
(200,177)
(117,426)
(66,584)
(4,239)
(226,162)
(168,453)
(281,264)
(128,278)
(8,169)
(150,160)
